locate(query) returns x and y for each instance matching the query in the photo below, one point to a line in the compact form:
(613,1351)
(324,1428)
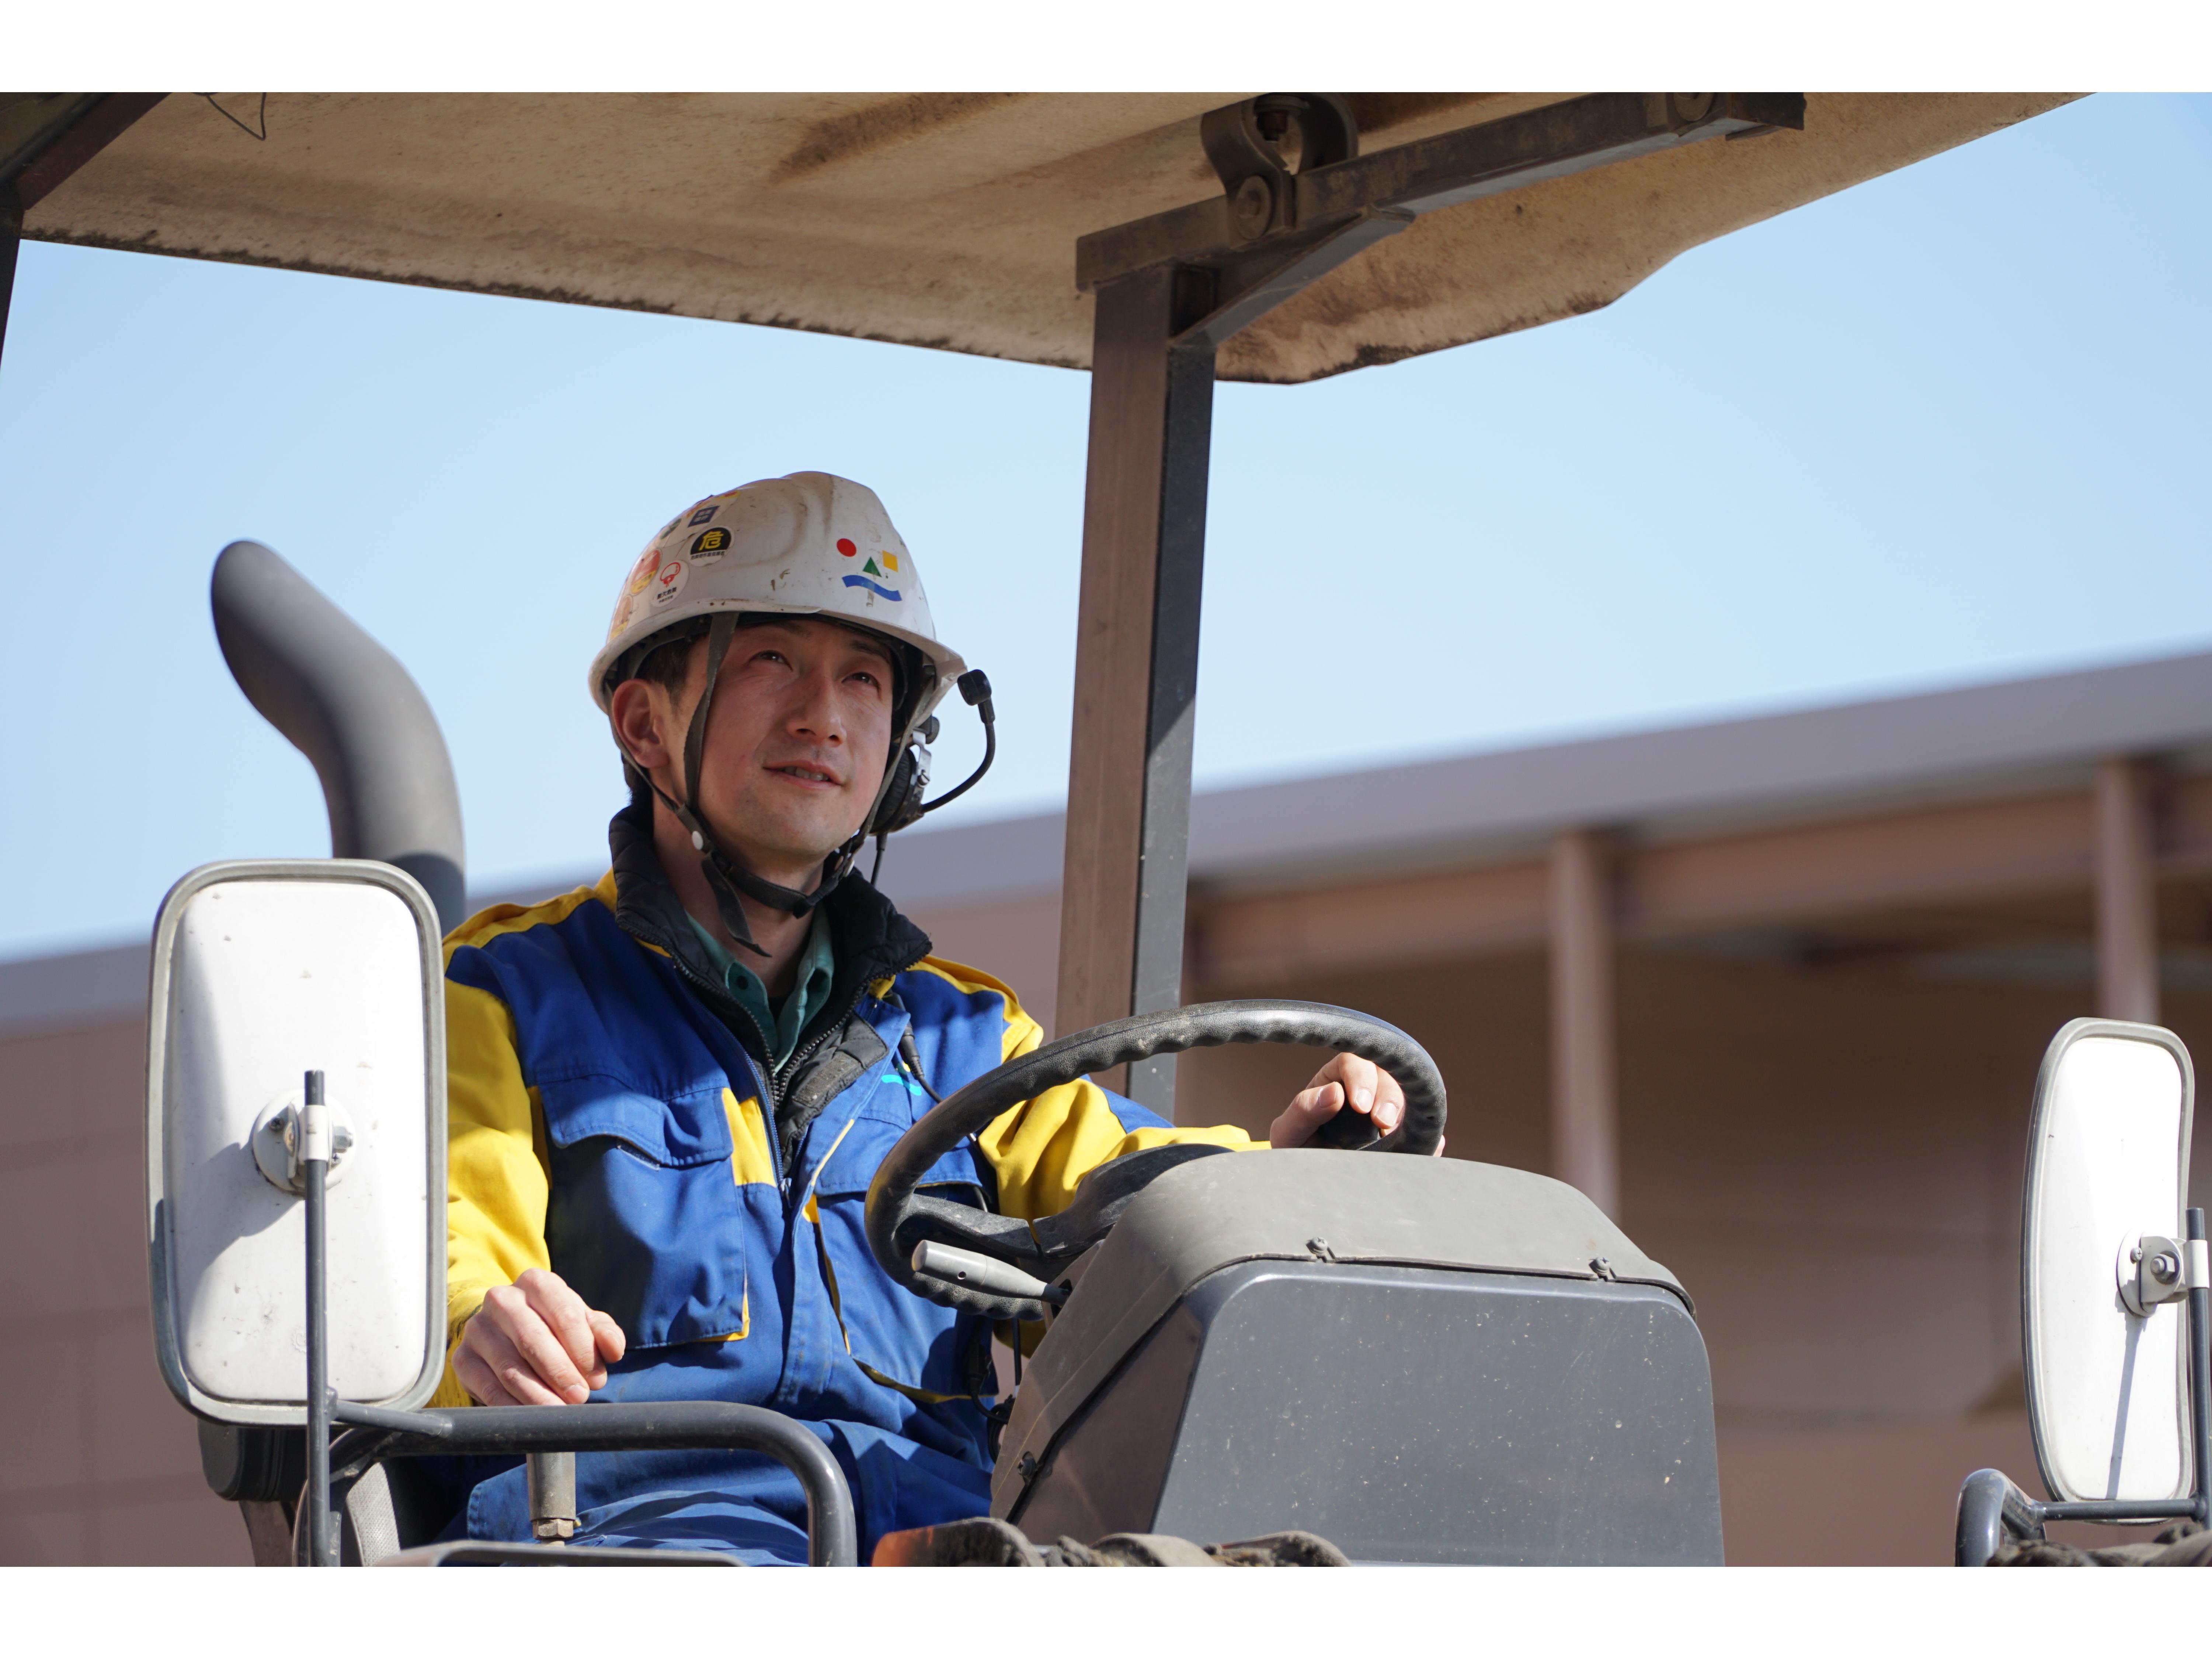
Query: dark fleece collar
(871,939)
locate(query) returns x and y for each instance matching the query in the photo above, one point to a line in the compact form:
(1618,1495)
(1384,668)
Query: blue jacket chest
(666,1212)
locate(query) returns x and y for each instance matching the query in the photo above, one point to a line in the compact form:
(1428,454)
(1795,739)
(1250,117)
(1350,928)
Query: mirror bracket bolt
(2150,1272)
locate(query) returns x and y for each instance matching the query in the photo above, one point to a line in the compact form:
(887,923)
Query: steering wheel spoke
(1104,1194)
(941,1221)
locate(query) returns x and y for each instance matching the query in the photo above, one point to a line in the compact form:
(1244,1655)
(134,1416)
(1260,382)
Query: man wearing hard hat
(670,1092)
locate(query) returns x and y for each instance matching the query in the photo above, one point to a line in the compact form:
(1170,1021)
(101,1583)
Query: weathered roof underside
(945,220)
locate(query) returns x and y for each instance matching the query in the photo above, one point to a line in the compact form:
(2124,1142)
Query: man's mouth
(803,773)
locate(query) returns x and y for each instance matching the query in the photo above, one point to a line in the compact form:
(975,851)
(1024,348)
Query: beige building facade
(1773,991)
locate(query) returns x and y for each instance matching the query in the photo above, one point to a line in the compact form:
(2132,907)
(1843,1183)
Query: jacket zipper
(770,1075)
(807,1050)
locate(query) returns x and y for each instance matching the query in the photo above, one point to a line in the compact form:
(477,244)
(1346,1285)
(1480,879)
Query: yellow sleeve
(1042,1148)
(496,1172)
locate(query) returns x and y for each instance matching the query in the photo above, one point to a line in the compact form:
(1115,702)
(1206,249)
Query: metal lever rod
(552,1479)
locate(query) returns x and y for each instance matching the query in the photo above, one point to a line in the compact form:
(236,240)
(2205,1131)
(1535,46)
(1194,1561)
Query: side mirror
(2102,1267)
(263,971)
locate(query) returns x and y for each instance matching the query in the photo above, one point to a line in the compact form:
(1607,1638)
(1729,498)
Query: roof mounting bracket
(1243,141)
(44,137)
(1272,231)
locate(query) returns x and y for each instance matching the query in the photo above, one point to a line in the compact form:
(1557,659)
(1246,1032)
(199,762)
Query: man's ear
(641,723)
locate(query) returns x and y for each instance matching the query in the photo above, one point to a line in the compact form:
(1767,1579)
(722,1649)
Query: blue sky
(1948,426)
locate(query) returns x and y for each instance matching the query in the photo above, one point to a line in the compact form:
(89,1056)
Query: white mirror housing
(2104,1323)
(262,971)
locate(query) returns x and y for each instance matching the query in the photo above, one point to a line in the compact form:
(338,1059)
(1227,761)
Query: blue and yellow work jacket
(611,1119)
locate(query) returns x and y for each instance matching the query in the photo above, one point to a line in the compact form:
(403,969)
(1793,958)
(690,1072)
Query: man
(670,1092)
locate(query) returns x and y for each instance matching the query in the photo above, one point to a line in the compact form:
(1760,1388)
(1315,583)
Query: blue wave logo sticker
(875,588)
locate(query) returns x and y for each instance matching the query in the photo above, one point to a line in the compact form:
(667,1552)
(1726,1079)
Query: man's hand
(1346,1080)
(535,1343)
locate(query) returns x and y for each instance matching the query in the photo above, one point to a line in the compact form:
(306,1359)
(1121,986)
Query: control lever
(949,1265)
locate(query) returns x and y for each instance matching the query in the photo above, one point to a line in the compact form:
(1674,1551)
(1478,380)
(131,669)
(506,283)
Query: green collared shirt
(817,970)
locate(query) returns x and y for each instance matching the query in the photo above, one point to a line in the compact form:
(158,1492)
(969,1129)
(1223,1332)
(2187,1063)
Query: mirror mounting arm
(314,1157)
(2198,1277)
(2151,1272)
(1993,1512)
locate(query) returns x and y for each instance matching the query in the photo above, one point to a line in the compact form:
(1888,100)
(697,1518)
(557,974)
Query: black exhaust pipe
(345,703)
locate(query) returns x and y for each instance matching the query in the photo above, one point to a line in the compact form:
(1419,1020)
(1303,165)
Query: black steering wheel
(899,1219)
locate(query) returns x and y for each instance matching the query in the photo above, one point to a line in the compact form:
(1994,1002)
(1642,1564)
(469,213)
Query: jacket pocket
(645,1221)
(850,1168)
(899,1341)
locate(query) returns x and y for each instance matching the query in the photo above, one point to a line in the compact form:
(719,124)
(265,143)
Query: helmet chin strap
(726,877)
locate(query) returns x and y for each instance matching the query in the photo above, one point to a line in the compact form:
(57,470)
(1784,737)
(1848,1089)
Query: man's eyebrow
(870,644)
(796,626)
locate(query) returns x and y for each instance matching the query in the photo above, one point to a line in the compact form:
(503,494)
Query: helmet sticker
(766,546)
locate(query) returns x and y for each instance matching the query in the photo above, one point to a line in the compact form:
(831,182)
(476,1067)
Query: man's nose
(816,713)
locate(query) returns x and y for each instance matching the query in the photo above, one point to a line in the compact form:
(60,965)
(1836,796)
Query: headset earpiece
(902,803)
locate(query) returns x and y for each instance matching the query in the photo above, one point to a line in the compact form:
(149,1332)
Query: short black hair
(667,664)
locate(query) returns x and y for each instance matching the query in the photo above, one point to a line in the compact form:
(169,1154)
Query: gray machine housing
(1421,1360)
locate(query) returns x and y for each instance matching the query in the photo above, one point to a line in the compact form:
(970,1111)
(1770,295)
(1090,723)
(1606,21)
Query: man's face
(795,747)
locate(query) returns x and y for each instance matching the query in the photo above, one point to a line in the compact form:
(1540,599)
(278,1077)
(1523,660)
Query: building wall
(99,1465)
(1014,940)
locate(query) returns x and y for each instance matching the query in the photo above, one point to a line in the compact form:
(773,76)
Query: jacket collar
(873,941)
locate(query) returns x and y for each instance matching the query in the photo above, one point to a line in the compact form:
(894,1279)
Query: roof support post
(1585,1119)
(1136,664)
(44,137)
(1171,290)
(2126,861)
(11,238)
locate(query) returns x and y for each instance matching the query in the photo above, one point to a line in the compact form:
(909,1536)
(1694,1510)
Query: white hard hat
(809,544)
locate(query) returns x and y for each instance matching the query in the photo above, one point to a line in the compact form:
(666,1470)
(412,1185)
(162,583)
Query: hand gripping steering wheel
(899,1219)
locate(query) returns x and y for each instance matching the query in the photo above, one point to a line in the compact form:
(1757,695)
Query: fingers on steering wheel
(1319,1103)
(1372,1090)
(1390,1102)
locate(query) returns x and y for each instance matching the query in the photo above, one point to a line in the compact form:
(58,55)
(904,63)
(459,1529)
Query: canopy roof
(945,220)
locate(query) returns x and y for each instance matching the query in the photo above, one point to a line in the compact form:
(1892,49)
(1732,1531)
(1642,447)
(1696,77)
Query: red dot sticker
(845,546)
